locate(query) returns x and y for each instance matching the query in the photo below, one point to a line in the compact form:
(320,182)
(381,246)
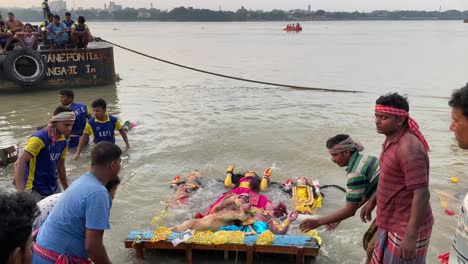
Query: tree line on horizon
(206,15)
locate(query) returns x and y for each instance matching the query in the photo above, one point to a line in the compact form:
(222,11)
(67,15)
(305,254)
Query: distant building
(143,13)
(113,7)
(58,5)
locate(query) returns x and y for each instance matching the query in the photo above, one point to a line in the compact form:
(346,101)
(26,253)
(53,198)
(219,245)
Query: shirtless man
(14,25)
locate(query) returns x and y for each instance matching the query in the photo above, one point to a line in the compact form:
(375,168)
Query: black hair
(61,109)
(460,99)
(81,19)
(105,152)
(112,184)
(331,142)
(235,178)
(255,184)
(67,14)
(99,103)
(11,14)
(57,17)
(394,100)
(68,93)
(50,15)
(27,25)
(18,211)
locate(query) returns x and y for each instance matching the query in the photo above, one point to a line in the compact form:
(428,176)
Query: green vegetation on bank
(192,14)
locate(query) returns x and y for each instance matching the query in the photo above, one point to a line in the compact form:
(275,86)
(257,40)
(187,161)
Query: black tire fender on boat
(25,66)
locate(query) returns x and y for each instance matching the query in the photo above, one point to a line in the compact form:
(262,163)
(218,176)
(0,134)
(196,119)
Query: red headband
(412,124)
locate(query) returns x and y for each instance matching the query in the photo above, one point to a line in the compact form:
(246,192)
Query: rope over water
(227,76)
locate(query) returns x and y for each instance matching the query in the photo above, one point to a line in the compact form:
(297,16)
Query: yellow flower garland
(314,234)
(266,238)
(202,237)
(161,234)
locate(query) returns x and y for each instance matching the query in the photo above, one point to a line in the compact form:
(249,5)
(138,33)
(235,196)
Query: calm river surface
(187,120)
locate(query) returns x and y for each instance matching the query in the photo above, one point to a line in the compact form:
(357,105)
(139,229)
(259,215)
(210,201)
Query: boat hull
(70,68)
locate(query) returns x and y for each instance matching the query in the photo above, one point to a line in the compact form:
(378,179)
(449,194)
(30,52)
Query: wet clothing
(82,112)
(41,174)
(387,248)
(362,177)
(84,205)
(404,167)
(103,130)
(459,250)
(52,257)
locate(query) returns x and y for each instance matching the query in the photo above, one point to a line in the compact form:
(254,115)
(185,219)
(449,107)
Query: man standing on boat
(101,126)
(45,8)
(459,125)
(404,215)
(43,158)
(362,178)
(82,113)
(73,232)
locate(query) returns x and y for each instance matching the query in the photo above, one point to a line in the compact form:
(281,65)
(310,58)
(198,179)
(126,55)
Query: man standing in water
(82,113)
(43,157)
(102,126)
(81,215)
(362,178)
(459,125)
(404,214)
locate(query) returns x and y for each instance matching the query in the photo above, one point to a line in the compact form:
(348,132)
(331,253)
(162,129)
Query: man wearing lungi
(404,214)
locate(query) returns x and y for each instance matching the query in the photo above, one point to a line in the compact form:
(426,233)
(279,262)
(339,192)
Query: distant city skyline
(267,5)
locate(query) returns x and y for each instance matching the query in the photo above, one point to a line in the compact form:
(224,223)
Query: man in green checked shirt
(362,178)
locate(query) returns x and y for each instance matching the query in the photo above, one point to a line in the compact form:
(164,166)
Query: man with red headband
(404,214)
(43,157)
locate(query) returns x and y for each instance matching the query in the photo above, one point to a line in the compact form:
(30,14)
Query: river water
(187,120)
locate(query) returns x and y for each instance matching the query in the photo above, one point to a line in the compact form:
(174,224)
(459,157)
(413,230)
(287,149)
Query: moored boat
(44,68)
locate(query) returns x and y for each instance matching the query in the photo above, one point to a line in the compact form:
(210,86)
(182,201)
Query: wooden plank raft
(300,246)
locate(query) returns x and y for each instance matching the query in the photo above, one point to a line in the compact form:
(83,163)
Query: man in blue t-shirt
(57,33)
(74,229)
(82,113)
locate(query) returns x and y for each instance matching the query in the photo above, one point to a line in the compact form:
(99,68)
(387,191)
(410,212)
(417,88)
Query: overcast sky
(328,5)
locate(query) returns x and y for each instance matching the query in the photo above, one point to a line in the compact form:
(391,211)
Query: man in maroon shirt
(404,214)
